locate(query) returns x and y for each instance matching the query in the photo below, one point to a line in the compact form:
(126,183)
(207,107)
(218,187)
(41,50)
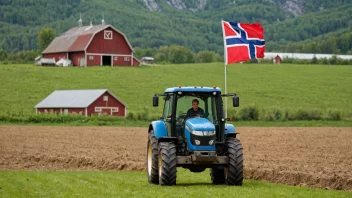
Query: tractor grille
(204,140)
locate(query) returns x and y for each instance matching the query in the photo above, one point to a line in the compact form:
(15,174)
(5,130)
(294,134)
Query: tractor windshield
(207,102)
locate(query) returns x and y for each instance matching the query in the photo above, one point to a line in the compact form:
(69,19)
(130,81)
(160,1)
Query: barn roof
(73,98)
(78,39)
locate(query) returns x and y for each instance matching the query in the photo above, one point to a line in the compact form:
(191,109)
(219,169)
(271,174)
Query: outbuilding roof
(78,39)
(193,89)
(73,98)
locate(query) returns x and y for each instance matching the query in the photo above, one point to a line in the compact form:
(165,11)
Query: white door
(82,62)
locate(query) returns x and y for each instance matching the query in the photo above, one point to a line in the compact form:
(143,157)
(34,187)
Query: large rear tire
(217,176)
(234,170)
(167,164)
(152,159)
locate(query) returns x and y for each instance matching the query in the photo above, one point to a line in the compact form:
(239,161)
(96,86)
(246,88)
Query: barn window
(116,58)
(91,57)
(45,111)
(105,98)
(97,109)
(115,109)
(65,111)
(127,58)
(108,34)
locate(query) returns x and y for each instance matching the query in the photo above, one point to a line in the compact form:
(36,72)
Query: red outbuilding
(92,46)
(277,59)
(83,102)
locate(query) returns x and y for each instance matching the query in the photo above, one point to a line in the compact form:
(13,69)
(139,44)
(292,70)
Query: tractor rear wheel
(234,170)
(217,176)
(152,159)
(167,164)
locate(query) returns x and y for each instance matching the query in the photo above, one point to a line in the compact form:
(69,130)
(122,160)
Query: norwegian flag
(243,41)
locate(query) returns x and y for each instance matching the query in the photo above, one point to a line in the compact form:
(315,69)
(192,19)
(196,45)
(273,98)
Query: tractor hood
(199,124)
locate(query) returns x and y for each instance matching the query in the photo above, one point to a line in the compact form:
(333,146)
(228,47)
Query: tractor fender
(230,129)
(159,128)
(167,139)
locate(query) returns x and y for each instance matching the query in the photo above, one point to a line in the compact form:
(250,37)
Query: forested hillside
(301,24)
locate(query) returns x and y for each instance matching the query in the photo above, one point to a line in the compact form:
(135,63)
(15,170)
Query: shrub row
(253,112)
(79,119)
(334,60)
(247,113)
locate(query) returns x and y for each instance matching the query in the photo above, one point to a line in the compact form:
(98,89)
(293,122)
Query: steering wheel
(181,118)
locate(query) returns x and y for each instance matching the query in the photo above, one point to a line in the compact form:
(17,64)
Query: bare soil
(315,156)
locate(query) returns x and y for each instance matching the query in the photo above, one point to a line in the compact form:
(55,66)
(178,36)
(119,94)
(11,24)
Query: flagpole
(225,65)
(225,91)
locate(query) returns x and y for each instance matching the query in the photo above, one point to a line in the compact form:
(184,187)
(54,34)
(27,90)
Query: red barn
(83,102)
(92,46)
(277,59)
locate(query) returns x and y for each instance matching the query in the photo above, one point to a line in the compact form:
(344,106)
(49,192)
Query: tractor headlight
(197,142)
(203,133)
(198,133)
(208,133)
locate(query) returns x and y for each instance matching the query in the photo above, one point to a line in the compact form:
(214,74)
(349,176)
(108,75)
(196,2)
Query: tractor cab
(192,123)
(178,102)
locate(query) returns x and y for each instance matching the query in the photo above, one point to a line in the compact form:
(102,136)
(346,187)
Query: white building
(271,55)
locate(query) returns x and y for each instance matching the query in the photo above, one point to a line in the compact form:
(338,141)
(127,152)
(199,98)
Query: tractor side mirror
(236,101)
(155,101)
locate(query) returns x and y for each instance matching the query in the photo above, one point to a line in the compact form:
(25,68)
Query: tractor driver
(195,111)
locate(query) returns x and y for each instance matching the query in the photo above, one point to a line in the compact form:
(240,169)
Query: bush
(288,115)
(333,60)
(314,60)
(142,116)
(154,117)
(131,116)
(304,114)
(334,115)
(347,115)
(232,113)
(288,60)
(251,61)
(249,113)
(101,123)
(271,115)
(265,61)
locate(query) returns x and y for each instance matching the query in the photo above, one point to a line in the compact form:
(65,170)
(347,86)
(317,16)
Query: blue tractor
(194,143)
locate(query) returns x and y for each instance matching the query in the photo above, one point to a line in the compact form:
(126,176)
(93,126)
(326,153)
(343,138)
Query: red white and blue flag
(242,41)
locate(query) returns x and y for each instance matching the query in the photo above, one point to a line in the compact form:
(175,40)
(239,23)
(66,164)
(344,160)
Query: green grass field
(282,86)
(265,86)
(135,184)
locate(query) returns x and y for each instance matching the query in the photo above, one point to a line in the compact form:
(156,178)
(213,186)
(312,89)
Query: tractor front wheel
(152,159)
(167,164)
(234,170)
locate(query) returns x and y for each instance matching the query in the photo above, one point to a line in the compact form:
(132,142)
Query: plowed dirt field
(315,157)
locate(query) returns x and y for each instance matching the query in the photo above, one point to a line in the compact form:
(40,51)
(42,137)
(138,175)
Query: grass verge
(135,184)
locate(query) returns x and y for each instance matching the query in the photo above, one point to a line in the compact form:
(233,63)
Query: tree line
(22,20)
(175,54)
(341,44)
